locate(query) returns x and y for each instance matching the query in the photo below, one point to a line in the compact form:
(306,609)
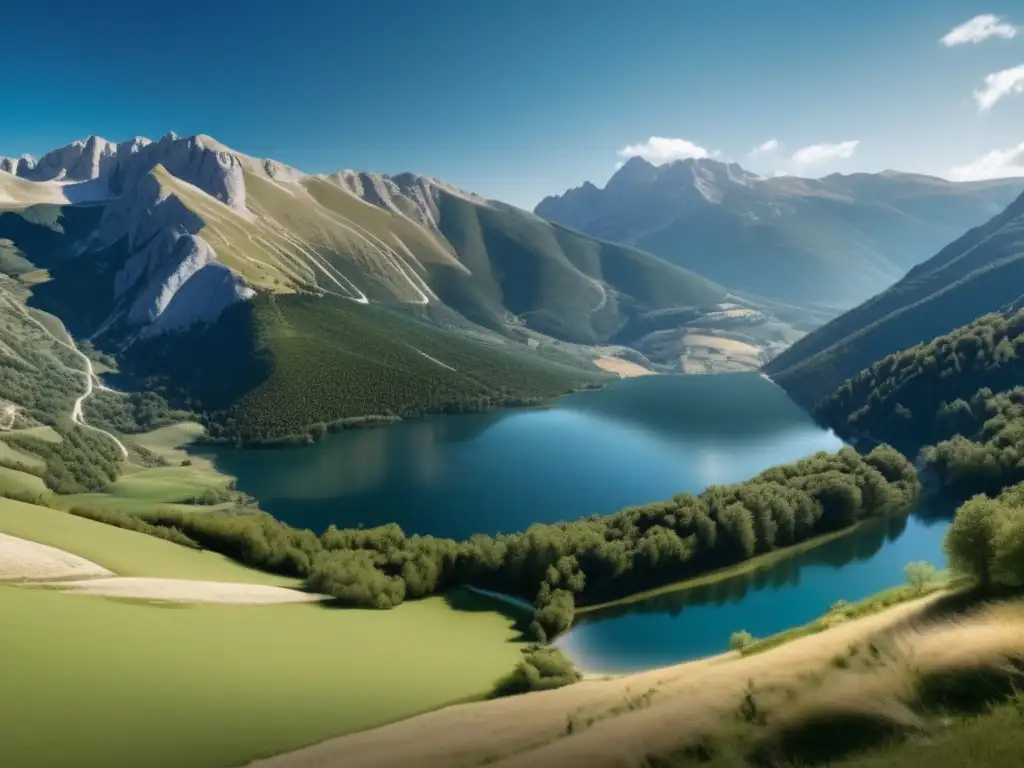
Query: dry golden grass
(624,368)
(600,723)
(725,346)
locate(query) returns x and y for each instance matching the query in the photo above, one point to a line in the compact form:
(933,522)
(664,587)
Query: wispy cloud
(769,147)
(818,154)
(999,84)
(979,29)
(996,164)
(659,150)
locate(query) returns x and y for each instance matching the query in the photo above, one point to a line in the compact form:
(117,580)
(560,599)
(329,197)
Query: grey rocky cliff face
(173,283)
(405,194)
(198,160)
(171,279)
(182,284)
(214,170)
(140,215)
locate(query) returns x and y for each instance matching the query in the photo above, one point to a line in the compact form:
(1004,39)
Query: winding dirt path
(90,375)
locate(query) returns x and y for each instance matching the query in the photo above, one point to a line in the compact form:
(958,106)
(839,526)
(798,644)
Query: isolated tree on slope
(970,543)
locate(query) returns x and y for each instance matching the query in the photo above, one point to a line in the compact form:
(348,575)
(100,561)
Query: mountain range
(193,218)
(835,240)
(403,290)
(270,300)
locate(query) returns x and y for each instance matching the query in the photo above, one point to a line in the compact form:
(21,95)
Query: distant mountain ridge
(834,240)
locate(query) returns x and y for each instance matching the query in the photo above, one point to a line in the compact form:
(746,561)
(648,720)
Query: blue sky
(517,99)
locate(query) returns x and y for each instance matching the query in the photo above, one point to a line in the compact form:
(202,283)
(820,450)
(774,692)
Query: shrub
(740,640)
(920,574)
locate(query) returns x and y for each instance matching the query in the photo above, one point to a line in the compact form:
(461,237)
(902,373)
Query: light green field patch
(168,442)
(141,490)
(21,483)
(104,683)
(161,485)
(124,552)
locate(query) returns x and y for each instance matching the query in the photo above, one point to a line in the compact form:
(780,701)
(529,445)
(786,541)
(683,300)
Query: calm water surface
(640,440)
(689,624)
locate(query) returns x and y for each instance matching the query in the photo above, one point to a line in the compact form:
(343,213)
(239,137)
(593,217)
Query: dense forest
(287,366)
(955,396)
(599,558)
(978,273)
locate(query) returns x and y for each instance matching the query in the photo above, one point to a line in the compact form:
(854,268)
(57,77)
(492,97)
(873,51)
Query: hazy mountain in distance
(835,240)
(980,272)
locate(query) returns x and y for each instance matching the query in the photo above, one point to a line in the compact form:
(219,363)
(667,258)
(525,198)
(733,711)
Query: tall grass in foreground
(904,688)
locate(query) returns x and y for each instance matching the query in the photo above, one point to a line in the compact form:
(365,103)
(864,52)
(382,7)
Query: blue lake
(640,440)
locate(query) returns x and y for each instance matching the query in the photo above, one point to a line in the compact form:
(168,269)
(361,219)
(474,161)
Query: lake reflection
(640,440)
(689,624)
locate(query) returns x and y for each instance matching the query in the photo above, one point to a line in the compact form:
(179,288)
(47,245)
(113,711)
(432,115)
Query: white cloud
(994,165)
(816,154)
(979,29)
(659,150)
(770,146)
(1000,84)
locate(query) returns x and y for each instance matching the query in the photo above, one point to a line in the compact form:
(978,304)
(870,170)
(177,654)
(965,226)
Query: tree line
(557,566)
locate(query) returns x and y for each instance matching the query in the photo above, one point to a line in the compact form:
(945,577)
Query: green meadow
(126,681)
(97,682)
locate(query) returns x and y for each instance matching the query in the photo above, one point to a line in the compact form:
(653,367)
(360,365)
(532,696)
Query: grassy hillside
(216,670)
(981,272)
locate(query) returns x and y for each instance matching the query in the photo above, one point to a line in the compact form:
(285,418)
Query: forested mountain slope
(960,392)
(981,272)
